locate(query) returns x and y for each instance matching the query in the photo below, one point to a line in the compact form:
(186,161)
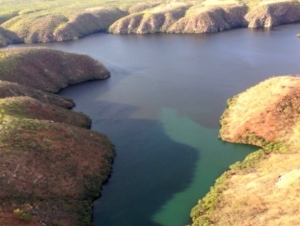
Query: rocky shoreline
(52,165)
(147,17)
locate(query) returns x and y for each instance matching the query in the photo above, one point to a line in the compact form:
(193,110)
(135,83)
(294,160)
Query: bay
(161,108)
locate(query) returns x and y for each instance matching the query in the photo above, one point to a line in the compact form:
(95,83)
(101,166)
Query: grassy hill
(52,167)
(47,21)
(263,189)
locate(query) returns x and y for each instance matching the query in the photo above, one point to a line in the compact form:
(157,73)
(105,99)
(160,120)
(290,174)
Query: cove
(161,109)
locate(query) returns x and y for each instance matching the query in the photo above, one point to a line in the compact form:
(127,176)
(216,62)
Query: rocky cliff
(264,188)
(52,167)
(57,21)
(273,14)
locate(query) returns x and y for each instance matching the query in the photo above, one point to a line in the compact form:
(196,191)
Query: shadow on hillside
(8,37)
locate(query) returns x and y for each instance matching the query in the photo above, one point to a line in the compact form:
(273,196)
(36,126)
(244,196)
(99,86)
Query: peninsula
(52,165)
(264,188)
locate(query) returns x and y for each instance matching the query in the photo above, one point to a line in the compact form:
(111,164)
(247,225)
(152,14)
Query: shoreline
(266,177)
(178,17)
(53,164)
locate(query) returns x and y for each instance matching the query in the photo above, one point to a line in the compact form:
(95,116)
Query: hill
(264,188)
(52,167)
(49,21)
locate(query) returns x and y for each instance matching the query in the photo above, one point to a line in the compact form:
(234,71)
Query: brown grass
(264,189)
(48,70)
(268,195)
(51,169)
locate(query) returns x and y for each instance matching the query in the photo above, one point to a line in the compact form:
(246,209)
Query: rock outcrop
(264,114)
(44,24)
(48,70)
(273,14)
(264,188)
(89,21)
(154,20)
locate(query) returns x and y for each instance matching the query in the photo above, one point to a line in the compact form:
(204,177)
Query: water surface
(161,108)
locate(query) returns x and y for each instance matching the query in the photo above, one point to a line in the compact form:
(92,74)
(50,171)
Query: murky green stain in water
(212,151)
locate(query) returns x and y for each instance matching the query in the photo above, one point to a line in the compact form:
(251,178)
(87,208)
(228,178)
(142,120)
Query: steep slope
(49,21)
(28,107)
(10,89)
(52,167)
(48,70)
(50,171)
(89,21)
(153,20)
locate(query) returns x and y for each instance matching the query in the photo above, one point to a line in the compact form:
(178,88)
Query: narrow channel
(161,108)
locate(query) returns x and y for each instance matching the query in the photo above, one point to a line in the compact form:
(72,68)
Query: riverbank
(52,166)
(264,188)
(21,22)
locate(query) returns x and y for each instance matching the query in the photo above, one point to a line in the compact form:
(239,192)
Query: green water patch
(215,158)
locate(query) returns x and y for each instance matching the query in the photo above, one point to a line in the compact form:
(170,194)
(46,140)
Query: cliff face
(52,167)
(26,66)
(157,19)
(57,21)
(177,19)
(264,188)
(273,14)
(210,19)
(58,27)
(89,21)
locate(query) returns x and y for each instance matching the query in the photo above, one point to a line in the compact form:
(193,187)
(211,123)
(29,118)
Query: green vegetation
(268,146)
(201,213)
(34,21)
(22,215)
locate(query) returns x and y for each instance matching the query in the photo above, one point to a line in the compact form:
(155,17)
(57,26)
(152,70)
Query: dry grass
(268,112)
(265,188)
(268,195)
(221,2)
(47,21)
(26,66)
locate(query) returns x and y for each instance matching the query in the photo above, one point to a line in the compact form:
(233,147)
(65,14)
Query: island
(52,165)
(264,188)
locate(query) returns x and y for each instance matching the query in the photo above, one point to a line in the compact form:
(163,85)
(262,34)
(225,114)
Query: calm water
(161,109)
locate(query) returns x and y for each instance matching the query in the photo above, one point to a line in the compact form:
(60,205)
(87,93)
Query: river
(161,108)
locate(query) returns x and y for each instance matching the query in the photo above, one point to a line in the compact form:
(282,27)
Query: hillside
(26,66)
(263,189)
(49,21)
(52,167)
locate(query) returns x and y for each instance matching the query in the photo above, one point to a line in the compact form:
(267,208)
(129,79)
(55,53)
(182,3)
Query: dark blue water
(161,108)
